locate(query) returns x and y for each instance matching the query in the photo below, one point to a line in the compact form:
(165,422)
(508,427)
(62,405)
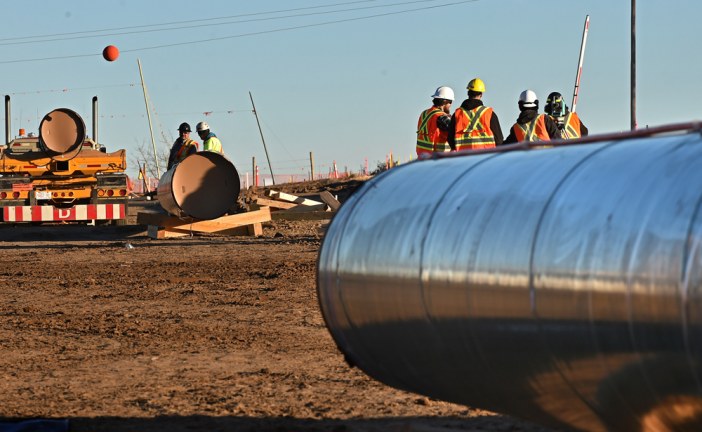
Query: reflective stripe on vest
(429,137)
(182,153)
(571,126)
(533,131)
(477,134)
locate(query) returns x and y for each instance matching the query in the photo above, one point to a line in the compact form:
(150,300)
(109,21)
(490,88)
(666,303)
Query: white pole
(580,63)
(148,115)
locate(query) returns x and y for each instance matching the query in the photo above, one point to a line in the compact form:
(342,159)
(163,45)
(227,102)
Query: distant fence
(263,180)
(246,180)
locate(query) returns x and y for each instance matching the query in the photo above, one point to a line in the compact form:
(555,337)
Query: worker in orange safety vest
(474,125)
(532,126)
(182,147)
(569,124)
(432,126)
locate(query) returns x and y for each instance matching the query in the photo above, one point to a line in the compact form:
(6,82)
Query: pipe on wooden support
(204,185)
(559,285)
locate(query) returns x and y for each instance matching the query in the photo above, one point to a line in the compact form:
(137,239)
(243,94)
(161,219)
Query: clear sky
(343,79)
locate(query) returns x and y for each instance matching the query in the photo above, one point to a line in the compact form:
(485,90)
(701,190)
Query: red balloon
(110,53)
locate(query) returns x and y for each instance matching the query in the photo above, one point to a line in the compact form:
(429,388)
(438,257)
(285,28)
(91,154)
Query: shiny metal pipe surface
(560,285)
(203,186)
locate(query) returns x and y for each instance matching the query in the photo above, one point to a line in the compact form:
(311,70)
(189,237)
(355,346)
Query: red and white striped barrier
(45,213)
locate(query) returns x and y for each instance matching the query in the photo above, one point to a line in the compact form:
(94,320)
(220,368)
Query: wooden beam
(224,222)
(291,198)
(232,221)
(306,208)
(329,199)
(156,232)
(275,204)
(163,226)
(158,219)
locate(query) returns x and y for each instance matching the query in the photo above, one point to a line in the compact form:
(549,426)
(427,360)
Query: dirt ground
(115,331)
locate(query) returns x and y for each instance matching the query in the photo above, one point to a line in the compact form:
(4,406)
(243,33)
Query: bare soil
(115,331)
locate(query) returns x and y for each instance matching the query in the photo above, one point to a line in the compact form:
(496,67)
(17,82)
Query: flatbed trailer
(76,183)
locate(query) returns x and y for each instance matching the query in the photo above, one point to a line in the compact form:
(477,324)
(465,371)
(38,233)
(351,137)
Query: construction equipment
(61,175)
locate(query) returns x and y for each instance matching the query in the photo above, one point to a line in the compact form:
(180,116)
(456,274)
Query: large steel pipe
(562,285)
(203,186)
(61,131)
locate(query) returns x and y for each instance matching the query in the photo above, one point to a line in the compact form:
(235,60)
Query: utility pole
(311,166)
(148,115)
(270,167)
(633,64)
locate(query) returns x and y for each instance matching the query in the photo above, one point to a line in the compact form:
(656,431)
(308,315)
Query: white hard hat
(443,93)
(202,126)
(528,99)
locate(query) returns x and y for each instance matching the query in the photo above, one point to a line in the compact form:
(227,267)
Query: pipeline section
(559,285)
(204,185)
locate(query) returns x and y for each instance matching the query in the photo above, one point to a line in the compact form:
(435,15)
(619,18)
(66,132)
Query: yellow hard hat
(476,85)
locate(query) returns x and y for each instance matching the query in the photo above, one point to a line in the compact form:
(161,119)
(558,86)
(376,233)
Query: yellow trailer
(61,175)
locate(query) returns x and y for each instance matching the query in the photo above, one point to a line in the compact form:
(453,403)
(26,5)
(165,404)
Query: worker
(474,125)
(569,124)
(433,124)
(182,147)
(210,142)
(532,126)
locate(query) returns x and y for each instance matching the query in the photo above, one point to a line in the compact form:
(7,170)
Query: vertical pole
(254,174)
(270,167)
(148,115)
(95,120)
(580,63)
(633,64)
(144,179)
(311,166)
(8,121)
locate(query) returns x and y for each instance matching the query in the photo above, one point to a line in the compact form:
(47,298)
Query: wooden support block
(164,226)
(156,232)
(329,199)
(273,204)
(282,196)
(233,221)
(306,208)
(255,230)
(160,219)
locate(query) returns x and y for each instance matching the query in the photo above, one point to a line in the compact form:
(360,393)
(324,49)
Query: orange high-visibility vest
(430,138)
(473,128)
(571,126)
(182,153)
(535,130)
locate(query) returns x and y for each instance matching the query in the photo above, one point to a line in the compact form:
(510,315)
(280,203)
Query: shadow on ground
(283,424)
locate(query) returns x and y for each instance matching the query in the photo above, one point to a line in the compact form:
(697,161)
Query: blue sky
(346,91)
